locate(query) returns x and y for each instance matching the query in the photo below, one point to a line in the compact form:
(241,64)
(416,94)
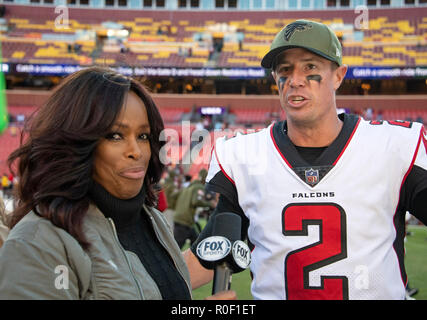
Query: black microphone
(224,252)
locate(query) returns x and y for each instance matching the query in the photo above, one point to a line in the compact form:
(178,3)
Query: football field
(416,268)
(416,260)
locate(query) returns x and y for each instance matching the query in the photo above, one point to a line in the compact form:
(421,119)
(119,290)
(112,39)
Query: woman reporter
(85,226)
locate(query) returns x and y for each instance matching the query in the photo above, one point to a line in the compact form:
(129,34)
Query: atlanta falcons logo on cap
(295,26)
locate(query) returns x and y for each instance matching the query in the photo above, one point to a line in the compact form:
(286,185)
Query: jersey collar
(326,160)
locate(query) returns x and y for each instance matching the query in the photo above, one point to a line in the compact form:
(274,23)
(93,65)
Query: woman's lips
(133,173)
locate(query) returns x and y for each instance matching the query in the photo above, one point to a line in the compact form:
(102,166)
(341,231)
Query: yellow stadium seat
(161,55)
(146,20)
(102,61)
(18,21)
(195,60)
(18,54)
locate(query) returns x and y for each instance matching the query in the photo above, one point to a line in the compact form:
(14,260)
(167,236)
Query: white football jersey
(332,230)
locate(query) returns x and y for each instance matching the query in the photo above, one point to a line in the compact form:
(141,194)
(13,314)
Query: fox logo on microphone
(241,254)
(214,248)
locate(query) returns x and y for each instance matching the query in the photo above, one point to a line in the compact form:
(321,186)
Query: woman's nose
(133,150)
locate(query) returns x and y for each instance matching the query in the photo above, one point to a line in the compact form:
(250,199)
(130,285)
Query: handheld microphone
(224,252)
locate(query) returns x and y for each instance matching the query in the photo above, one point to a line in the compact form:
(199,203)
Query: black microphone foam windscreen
(228,225)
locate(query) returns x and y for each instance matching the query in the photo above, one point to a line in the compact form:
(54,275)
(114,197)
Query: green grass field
(241,284)
(416,268)
(416,260)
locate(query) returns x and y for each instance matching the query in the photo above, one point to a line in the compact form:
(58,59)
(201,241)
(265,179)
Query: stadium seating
(165,38)
(172,114)
(9,141)
(407,114)
(179,145)
(161,38)
(254,116)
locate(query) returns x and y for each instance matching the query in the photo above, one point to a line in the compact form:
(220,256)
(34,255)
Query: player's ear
(339,75)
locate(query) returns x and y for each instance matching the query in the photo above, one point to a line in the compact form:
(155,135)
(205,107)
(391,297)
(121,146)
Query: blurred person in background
(6,185)
(189,199)
(171,190)
(162,203)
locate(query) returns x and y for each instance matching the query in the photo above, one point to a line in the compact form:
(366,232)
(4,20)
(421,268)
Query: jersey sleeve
(415,186)
(220,175)
(220,180)
(421,154)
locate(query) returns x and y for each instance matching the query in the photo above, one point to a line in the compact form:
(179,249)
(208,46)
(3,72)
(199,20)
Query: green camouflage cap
(313,36)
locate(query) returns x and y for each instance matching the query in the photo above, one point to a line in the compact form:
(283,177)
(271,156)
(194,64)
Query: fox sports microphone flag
(4,118)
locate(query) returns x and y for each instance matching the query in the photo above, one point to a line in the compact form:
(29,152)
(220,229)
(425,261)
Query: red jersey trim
(348,141)
(222,169)
(397,205)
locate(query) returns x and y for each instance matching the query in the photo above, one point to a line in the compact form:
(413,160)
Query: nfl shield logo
(312,176)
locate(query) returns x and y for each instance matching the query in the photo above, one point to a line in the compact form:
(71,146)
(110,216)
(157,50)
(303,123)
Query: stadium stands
(9,141)
(254,113)
(185,39)
(188,39)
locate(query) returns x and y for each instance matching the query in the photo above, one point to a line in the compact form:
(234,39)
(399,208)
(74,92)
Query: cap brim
(267,61)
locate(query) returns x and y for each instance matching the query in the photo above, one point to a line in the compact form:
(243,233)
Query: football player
(323,196)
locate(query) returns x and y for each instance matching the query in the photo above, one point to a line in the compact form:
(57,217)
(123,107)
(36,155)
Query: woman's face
(122,157)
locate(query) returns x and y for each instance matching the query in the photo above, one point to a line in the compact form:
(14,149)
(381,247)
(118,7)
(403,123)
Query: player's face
(307,84)
(122,157)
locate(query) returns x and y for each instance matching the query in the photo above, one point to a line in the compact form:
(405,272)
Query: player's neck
(320,134)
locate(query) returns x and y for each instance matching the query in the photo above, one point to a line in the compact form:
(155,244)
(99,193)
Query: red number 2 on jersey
(331,247)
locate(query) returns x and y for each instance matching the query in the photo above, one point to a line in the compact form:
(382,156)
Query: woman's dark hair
(55,159)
